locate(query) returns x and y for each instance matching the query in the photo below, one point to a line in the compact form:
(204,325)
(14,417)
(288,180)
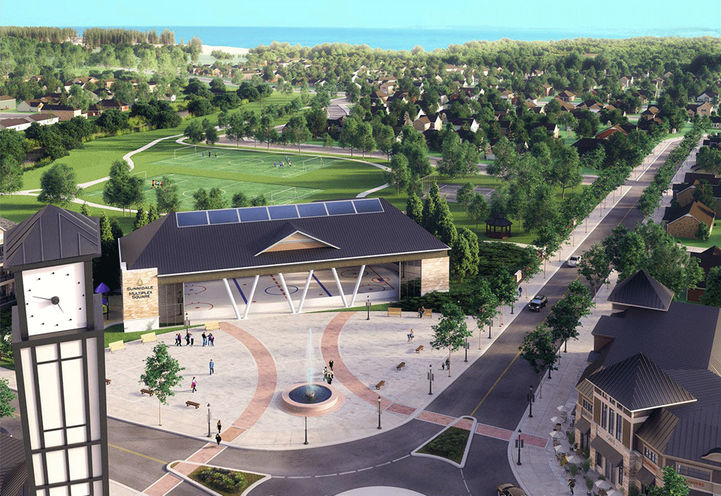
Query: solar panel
(283,212)
(340,207)
(251,214)
(312,210)
(191,219)
(368,205)
(227,216)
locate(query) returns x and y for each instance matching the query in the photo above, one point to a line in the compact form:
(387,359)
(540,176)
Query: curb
(187,479)
(471,435)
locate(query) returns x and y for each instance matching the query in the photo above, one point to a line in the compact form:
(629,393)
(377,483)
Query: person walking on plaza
(325,373)
(187,337)
(218,438)
(192,339)
(411,336)
(329,377)
(211,339)
(571,485)
(178,340)
(211,366)
(193,386)
(205,339)
(330,365)
(186,321)
(219,426)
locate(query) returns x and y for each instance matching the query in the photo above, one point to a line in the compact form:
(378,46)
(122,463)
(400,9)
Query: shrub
(572,469)
(586,465)
(702,232)
(589,483)
(222,479)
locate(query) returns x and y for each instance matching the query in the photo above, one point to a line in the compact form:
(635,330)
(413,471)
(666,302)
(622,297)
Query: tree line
(40,33)
(95,37)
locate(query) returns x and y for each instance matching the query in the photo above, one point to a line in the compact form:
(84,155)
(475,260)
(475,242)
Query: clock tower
(59,352)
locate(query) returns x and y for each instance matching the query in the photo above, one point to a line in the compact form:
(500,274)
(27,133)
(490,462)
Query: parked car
(573,261)
(508,489)
(538,302)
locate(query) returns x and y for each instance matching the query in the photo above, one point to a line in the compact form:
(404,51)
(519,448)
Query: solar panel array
(278,212)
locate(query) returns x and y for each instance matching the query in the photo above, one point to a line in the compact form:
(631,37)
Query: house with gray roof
(651,396)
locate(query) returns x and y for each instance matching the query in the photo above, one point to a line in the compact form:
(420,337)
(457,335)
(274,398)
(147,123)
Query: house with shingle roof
(651,396)
(684,222)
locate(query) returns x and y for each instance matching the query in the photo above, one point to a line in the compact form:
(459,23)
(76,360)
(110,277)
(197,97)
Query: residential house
(24,122)
(31,106)
(7,284)
(547,89)
(7,102)
(567,106)
(606,133)
(63,112)
(707,260)
(552,129)
(566,96)
(715,122)
(625,82)
(586,145)
(507,95)
(114,104)
(650,113)
(423,123)
(464,123)
(652,395)
(683,222)
(336,114)
(701,109)
(707,96)
(590,105)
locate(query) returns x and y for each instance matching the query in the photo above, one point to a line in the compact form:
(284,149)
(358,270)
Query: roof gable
(643,291)
(639,384)
(52,233)
(290,238)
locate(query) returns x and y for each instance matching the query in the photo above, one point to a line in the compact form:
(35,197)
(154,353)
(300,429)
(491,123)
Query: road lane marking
(496,383)
(141,455)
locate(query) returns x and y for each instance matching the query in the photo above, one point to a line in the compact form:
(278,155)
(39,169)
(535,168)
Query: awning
(583,425)
(610,454)
(645,477)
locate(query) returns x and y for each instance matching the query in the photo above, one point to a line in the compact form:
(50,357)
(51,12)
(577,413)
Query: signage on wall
(141,290)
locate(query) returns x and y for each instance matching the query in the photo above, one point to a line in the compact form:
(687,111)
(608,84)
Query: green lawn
(713,239)
(115,333)
(450,444)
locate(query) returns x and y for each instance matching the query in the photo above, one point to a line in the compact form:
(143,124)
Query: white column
(287,295)
(399,280)
(305,291)
(250,297)
(340,288)
(357,284)
(232,300)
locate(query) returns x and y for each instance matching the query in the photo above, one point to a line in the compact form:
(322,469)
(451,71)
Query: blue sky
(597,15)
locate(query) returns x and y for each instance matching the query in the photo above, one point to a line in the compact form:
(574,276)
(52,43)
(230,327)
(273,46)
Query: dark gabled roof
(639,384)
(686,336)
(498,221)
(52,233)
(6,224)
(707,260)
(642,290)
(216,247)
(13,470)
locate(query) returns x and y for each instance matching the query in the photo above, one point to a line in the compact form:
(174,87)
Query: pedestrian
(443,365)
(193,386)
(211,366)
(330,364)
(218,438)
(413,336)
(421,311)
(329,378)
(219,426)
(448,363)
(178,340)
(187,337)
(325,373)
(205,339)
(192,339)
(571,484)
(211,339)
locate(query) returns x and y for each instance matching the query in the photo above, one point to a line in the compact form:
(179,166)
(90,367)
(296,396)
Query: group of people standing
(208,339)
(328,372)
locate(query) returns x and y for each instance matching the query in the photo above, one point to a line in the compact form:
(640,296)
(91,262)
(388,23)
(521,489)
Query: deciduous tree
(162,374)
(58,185)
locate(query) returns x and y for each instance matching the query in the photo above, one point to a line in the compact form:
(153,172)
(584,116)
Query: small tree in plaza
(539,349)
(485,307)
(162,374)
(451,332)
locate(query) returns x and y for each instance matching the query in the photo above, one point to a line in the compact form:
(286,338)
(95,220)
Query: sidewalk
(687,166)
(540,473)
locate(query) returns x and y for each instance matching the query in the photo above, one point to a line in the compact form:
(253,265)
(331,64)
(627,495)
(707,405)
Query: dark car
(538,302)
(508,489)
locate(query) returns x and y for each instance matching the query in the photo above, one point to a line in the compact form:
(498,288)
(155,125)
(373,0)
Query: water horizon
(395,38)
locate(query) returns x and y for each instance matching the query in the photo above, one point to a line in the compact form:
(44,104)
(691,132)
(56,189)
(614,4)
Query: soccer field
(280,164)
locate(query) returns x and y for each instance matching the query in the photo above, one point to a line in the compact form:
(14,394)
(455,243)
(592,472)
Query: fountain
(310,398)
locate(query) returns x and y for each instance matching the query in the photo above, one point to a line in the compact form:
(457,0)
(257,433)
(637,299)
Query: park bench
(148,337)
(145,391)
(107,382)
(394,312)
(400,366)
(116,346)
(212,326)
(427,314)
(419,349)
(380,384)
(192,403)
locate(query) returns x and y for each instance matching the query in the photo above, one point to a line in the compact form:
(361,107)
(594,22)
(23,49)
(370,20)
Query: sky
(606,15)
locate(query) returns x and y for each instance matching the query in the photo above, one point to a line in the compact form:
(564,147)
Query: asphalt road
(493,389)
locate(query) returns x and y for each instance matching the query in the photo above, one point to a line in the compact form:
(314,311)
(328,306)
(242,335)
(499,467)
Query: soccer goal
(183,151)
(288,195)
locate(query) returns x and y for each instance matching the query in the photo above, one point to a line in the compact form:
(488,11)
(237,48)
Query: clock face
(55,298)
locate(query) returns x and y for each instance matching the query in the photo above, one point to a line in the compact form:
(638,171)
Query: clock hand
(41,298)
(61,308)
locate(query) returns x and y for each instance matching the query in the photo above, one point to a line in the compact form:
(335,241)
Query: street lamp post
(531,399)
(306,430)
(466,347)
(368,307)
(208,419)
(379,411)
(430,379)
(519,445)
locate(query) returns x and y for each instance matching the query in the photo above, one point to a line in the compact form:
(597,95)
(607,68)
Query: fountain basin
(311,399)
